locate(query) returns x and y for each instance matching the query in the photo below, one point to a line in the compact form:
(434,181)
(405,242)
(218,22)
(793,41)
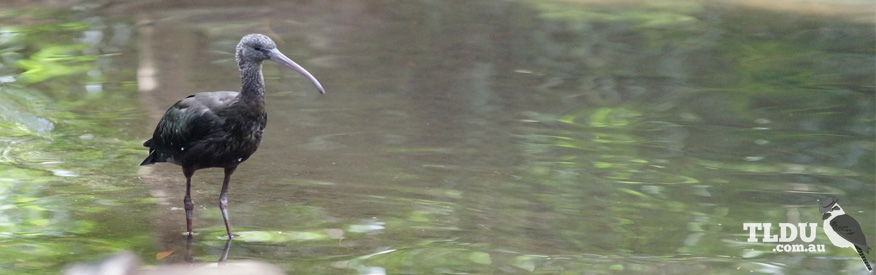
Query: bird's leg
(187,201)
(223,199)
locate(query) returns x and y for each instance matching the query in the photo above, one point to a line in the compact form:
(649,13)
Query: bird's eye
(258,48)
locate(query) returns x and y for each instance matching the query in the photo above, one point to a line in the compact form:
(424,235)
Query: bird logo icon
(843,230)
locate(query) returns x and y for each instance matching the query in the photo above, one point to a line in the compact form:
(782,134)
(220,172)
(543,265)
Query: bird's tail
(866,263)
(149,159)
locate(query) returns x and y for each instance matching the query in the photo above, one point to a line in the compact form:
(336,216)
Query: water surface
(456,137)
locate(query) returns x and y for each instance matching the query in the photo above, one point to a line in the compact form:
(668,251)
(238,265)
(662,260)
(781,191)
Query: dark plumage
(219,129)
(848,228)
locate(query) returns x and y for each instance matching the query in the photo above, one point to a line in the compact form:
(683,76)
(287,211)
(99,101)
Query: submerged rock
(126,263)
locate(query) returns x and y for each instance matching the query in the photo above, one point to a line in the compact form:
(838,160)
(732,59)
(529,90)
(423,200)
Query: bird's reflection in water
(188,255)
(222,259)
(225,251)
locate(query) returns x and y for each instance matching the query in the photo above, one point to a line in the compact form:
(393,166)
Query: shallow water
(456,137)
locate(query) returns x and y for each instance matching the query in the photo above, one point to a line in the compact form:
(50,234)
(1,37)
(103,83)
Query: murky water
(456,137)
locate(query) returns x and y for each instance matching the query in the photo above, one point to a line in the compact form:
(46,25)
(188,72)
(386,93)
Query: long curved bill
(279,57)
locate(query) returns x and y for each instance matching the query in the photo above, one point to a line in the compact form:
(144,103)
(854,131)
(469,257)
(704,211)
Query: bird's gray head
(825,204)
(830,208)
(255,48)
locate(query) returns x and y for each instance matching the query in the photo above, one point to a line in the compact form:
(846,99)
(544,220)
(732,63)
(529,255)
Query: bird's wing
(215,100)
(190,119)
(849,229)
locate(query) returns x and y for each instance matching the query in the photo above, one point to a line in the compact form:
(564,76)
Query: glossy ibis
(219,129)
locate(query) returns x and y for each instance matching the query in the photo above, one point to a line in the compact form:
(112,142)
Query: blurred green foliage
(62,160)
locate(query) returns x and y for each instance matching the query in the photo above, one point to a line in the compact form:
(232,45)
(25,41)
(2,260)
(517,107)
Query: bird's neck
(252,86)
